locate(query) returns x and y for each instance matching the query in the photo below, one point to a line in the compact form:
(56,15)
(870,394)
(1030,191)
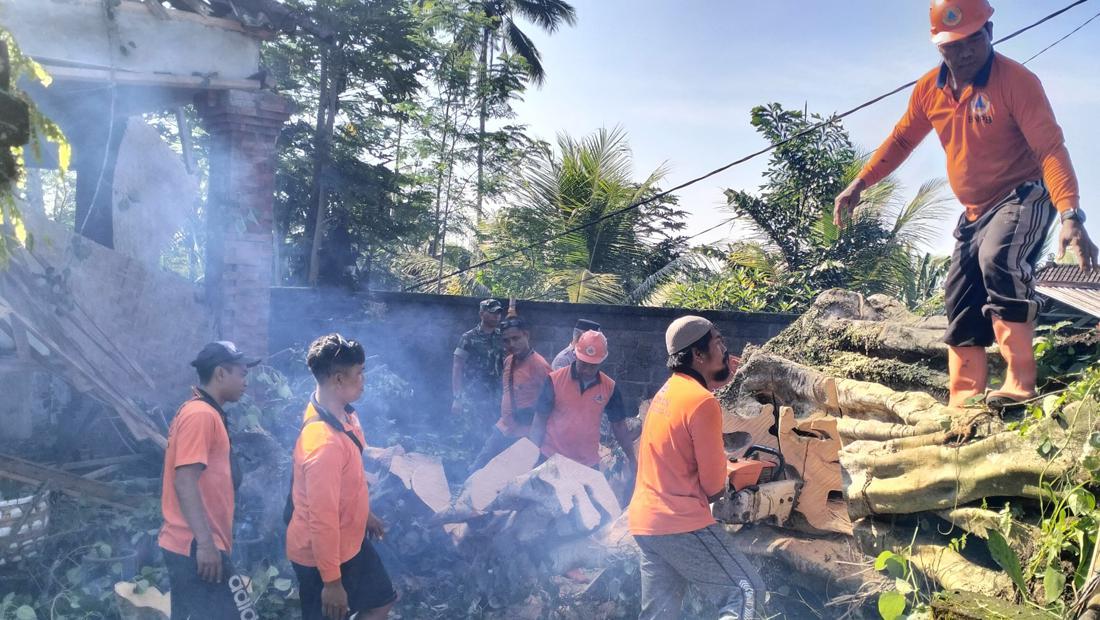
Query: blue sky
(680,76)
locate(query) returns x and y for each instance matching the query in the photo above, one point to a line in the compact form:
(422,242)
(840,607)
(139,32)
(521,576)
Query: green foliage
(799,251)
(612,255)
(743,289)
(906,593)
(40,129)
(1006,558)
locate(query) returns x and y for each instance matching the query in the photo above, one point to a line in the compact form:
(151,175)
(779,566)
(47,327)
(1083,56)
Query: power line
(658,196)
(1068,35)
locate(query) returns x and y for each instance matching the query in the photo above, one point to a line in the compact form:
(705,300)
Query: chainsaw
(757,491)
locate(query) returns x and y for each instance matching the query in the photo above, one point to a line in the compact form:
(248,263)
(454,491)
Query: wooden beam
(128,78)
(15,468)
(93,463)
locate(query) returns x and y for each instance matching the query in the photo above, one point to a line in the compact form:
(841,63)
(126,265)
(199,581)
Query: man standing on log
(198,492)
(330,521)
(525,372)
(1008,165)
(572,402)
(568,355)
(681,470)
(478,359)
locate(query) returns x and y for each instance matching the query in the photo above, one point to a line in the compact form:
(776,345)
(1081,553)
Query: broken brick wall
(415,335)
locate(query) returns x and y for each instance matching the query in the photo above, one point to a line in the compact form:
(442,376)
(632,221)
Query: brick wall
(243,126)
(416,334)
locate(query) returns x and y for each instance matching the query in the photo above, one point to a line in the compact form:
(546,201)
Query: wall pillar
(243,127)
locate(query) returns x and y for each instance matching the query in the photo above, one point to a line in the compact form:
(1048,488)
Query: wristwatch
(1073,214)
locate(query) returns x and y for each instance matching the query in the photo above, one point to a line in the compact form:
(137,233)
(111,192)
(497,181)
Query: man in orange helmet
(1008,165)
(572,402)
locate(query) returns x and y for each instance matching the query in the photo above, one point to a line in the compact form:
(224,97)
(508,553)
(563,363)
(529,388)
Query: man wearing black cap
(478,362)
(198,492)
(568,355)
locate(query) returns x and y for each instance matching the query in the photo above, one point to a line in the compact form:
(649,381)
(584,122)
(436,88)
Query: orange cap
(953,20)
(591,347)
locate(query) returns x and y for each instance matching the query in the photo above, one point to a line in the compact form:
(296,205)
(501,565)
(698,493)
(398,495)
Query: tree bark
(322,152)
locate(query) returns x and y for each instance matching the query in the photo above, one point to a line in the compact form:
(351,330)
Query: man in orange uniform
(328,537)
(198,492)
(525,371)
(681,470)
(1008,165)
(571,403)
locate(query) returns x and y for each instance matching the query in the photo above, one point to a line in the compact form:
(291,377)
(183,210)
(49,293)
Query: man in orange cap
(568,411)
(1008,165)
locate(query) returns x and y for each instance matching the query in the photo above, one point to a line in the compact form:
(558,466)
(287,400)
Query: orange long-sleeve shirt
(999,133)
(331,502)
(681,460)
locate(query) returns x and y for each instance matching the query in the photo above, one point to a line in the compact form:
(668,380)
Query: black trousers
(992,266)
(195,599)
(364,577)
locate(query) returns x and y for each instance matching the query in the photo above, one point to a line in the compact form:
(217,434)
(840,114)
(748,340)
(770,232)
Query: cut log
(1021,537)
(932,478)
(483,486)
(424,477)
(963,605)
(750,425)
(834,563)
(811,449)
(570,498)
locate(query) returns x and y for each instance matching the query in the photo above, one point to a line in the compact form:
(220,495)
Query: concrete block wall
(415,335)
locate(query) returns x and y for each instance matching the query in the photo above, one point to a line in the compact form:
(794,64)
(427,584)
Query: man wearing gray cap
(681,470)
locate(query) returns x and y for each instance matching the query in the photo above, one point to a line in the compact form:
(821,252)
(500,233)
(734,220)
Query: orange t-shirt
(331,502)
(681,460)
(197,436)
(1000,133)
(525,383)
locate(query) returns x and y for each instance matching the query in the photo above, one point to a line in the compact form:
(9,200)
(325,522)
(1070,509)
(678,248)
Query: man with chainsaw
(1008,165)
(681,470)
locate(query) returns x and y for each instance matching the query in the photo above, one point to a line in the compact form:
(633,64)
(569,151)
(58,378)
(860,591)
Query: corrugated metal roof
(1086,299)
(1068,274)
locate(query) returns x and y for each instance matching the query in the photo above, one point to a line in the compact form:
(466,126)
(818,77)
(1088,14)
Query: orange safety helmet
(591,347)
(953,20)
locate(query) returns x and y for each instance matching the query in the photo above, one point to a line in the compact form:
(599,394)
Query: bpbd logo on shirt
(981,110)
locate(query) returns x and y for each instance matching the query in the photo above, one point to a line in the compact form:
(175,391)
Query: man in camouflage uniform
(476,373)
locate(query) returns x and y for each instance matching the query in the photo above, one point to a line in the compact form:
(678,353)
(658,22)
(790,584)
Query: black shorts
(201,600)
(992,267)
(365,580)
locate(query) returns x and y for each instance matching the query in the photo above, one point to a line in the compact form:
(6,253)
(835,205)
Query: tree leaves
(1007,559)
(891,605)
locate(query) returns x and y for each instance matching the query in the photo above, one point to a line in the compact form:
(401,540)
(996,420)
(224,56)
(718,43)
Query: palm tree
(590,179)
(500,26)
